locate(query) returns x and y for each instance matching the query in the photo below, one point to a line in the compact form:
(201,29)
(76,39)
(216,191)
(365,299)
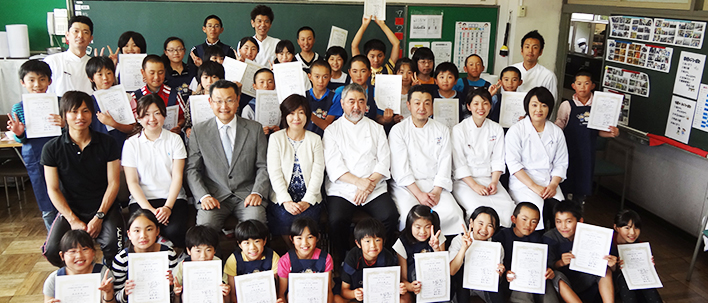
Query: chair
(703,233)
(16,170)
(605,168)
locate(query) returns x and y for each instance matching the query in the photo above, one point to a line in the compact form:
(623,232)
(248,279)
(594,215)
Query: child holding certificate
(403,68)
(305,257)
(101,73)
(143,229)
(265,80)
(422,234)
(153,71)
(253,255)
(207,73)
(78,253)
(446,75)
(35,76)
(560,242)
(369,236)
(319,96)
(484,221)
(573,116)
(509,82)
(202,242)
(628,226)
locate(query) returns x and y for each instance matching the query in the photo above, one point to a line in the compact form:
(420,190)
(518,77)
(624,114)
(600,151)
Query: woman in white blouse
(153,160)
(295,167)
(478,160)
(537,156)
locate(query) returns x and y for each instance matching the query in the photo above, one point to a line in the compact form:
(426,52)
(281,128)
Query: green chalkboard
(650,114)
(159,20)
(452,15)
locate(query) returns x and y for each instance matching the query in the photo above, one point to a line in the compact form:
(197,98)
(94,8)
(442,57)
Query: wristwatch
(100,215)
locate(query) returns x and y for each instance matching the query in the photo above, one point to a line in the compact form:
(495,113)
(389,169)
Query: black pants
(341,210)
(177,227)
(110,237)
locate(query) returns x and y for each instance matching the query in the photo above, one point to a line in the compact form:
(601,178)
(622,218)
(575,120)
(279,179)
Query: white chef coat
(68,73)
(266,50)
(537,76)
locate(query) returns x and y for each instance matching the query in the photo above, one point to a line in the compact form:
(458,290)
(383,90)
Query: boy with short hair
(337,56)
(213,27)
(214,53)
(474,67)
(446,75)
(261,20)
(319,97)
(69,67)
(509,81)
(208,73)
(202,242)
(153,71)
(369,236)
(306,39)
(560,242)
(252,254)
(263,79)
(375,49)
(35,76)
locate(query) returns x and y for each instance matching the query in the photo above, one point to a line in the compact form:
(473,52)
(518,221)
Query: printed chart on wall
(640,54)
(657,30)
(627,81)
(678,126)
(470,38)
(700,117)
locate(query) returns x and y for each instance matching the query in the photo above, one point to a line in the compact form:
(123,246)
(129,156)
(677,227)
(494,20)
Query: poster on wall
(626,102)
(640,54)
(471,38)
(678,126)
(426,26)
(682,33)
(700,117)
(637,28)
(627,81)
(688,75)
(414,46)
(442,51)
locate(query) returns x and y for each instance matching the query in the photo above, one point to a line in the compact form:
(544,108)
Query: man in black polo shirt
(82,170)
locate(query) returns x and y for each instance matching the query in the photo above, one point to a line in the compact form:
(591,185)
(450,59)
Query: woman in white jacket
(295,167)
(536,156)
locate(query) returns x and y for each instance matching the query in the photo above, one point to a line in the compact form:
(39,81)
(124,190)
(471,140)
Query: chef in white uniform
(357,160)
(422,164)
(533,73)
(69,67)
(478,160)
(536,154)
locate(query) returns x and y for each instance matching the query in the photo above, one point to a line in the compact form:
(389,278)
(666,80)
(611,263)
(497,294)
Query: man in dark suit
(226,167)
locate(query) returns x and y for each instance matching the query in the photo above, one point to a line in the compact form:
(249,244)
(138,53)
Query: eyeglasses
(214,26)
(426,61)
(221,102)
(175,50)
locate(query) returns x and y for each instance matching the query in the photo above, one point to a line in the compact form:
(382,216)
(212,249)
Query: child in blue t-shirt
(319,97)
(474,66)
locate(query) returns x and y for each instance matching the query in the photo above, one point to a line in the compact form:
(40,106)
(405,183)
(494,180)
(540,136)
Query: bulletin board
(474,19)
(645,58)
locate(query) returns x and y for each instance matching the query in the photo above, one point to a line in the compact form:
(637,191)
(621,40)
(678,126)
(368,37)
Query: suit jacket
(208,171)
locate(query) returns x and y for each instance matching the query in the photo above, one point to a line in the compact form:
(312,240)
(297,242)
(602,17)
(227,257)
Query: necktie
(226,142)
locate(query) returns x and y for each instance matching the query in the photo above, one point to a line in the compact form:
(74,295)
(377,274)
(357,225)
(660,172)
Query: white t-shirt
(154,159)
(68,73)
(341,79)
(266,50)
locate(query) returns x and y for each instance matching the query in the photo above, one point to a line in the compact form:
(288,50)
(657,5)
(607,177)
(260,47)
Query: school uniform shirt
(335,83)
(179,271)
(120,268)
(266,50)
(360,149)
(352,271)
(320,107)
(541,155)
(506,237)
(463,85)
(167,95)
(231,266)
(537,76)
(477,152)
(68,73)
(49,288)
(284,266)
(557,246)
(424,157)
(180,81)
(198,50)
(306,64)
(403,247)
(153,161)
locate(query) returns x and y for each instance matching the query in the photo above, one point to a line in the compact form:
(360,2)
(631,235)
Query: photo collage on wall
(640,54)
(627,81)
(665,31)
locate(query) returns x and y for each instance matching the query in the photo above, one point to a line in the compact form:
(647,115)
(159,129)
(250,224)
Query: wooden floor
(23,269)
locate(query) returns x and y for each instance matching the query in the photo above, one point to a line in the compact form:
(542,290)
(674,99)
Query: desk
(15,146)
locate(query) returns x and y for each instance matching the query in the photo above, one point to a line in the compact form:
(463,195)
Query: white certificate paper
(529,264)
(404,106)
(688,75)
(38,108)
(171,117)
(605,110)
(247,79)
(202,281)
(433,272)
(233,69)
(481,261)
(382,284)
(256,287)
(387,92)
(130,66)
(446,111)
(289,79)
(308,287)
(512,107)
(375,8)
(267,107)
(337,37)
(199,109)
(78,288)
(681,114)
(149,271)
(115,101)
(590,245)
(638,270)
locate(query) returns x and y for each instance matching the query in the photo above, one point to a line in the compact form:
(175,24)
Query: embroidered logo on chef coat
(438,140)
(493,138)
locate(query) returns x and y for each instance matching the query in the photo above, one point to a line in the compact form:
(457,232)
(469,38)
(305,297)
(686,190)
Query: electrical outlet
(522,11)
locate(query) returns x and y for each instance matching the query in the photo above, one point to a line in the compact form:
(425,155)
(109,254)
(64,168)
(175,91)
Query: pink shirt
(284,267)
(564,111)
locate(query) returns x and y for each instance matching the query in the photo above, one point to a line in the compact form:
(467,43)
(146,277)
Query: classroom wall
(17,12)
